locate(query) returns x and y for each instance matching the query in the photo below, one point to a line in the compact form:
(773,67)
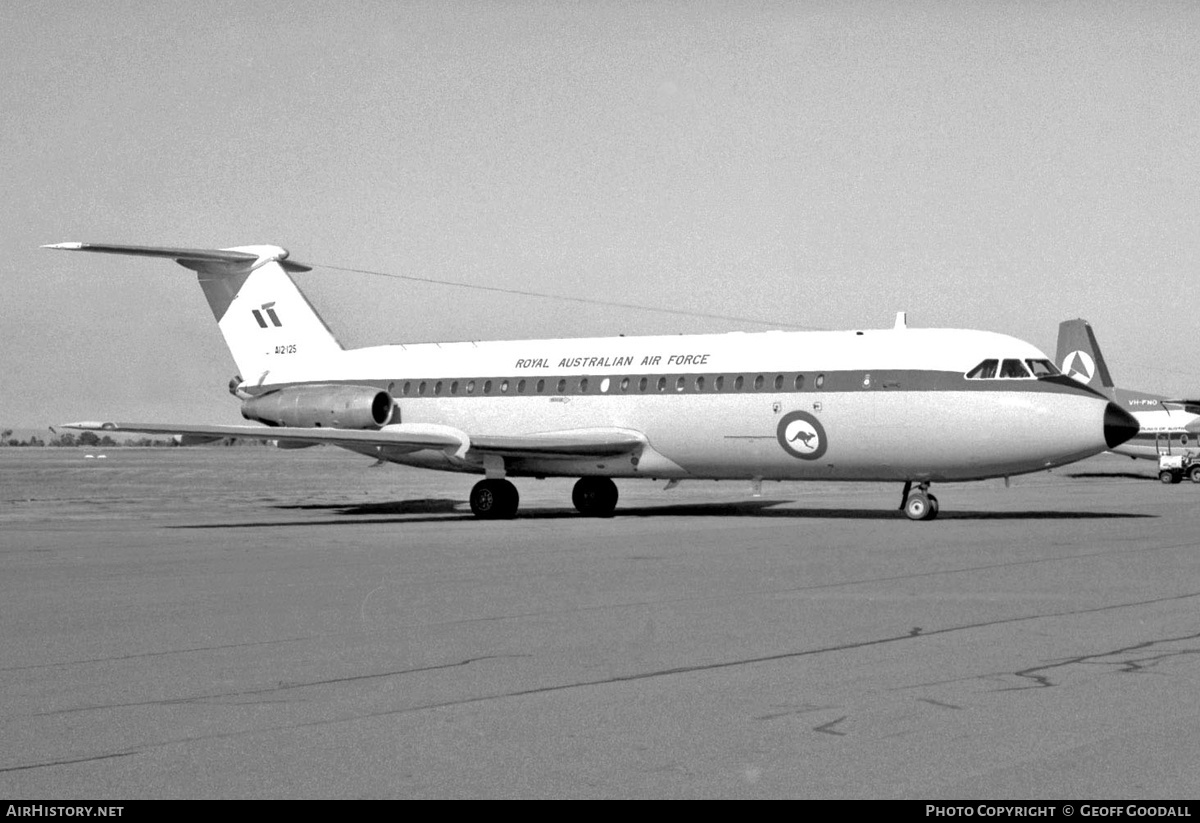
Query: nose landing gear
(919,504)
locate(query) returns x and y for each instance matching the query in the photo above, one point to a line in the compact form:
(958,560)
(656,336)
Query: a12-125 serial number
(288,349)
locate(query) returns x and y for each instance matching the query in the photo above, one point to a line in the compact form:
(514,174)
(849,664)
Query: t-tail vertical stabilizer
(262,313)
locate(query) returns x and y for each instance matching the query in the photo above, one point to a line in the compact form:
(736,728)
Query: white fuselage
(856,405)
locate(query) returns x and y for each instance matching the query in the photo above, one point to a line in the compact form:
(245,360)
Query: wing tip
(64,246)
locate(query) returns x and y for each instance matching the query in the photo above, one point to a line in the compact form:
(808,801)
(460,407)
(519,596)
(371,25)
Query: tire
(933,507)
(595,496)
(1166,477)
(917,507)
(1194,474)
(494,500)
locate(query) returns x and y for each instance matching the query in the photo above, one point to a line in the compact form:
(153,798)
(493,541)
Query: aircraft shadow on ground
(424,505)
(448,509)
(1112,476)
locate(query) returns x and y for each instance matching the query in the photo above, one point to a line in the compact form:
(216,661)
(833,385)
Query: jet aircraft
(911,406)
(1168,426)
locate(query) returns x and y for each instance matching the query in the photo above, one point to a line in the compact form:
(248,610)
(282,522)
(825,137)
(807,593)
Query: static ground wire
(584,300)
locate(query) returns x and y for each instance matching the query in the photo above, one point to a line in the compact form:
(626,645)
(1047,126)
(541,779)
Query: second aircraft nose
(1119,425)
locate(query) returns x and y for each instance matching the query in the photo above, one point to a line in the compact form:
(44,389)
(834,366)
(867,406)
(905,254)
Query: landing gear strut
(919,504)
(494,499)
(595,496)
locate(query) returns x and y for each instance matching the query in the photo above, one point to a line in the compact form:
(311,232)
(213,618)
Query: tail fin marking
(260,310)
(1079,356)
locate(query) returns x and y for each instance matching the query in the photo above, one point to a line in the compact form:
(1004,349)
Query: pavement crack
(279,687)
(71,762)
(1040,677)
(827,728)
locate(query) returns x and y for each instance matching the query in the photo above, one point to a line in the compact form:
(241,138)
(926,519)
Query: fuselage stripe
(551,385)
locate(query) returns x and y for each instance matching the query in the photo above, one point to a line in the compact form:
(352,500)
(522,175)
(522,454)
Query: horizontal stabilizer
(195,259)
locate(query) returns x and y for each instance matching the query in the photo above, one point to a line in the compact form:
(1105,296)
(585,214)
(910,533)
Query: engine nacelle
(323,406)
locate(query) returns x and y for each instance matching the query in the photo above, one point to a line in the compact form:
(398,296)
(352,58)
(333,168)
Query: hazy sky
(988,165)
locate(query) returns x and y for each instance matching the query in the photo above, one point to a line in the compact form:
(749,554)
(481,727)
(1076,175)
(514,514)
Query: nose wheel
(919,504)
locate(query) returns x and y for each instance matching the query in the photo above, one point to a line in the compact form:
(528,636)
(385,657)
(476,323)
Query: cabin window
(624,384)
(421,388)
(700,383)
(1042,368)
(799,382)
(1013,368)
(662,384)
(820,380)
(470,387)
(778,382)
(719,383)
(984,371)
(642,384)
(520,387)
(758,383)
(680,383)
(454,387)
(562,386)
(541,386)
(504,387)
(437,387)
(407,386)
(583,384)
(487,386)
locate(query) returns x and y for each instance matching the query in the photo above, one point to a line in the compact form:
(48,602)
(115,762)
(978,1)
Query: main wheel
(595,496)
(494,500)
(933,507)
(917,506)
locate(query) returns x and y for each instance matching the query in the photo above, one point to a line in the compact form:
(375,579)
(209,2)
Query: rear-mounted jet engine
(322,406)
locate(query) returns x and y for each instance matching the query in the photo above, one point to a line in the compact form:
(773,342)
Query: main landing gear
(497,499)
(919,504)
(595,496)
(494,500)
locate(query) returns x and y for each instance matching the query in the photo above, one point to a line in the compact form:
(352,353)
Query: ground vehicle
(1172,468)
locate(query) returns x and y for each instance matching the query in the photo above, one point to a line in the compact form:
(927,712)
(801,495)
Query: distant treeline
(92,440)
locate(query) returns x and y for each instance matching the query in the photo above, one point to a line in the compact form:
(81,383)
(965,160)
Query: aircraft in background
(912,406)
(1170,427)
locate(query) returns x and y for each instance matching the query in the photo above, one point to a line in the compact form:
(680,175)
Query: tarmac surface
(253,623)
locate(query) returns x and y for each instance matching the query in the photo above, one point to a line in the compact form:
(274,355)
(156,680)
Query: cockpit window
(984,371)
(1013,368)
(1042,368)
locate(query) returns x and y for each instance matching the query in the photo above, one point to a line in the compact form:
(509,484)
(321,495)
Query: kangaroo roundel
(801,435)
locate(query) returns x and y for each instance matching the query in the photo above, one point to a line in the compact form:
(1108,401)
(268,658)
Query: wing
(566,445)
(406,435)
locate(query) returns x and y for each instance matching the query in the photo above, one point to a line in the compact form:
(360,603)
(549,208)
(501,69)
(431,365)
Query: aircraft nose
(1119,425)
